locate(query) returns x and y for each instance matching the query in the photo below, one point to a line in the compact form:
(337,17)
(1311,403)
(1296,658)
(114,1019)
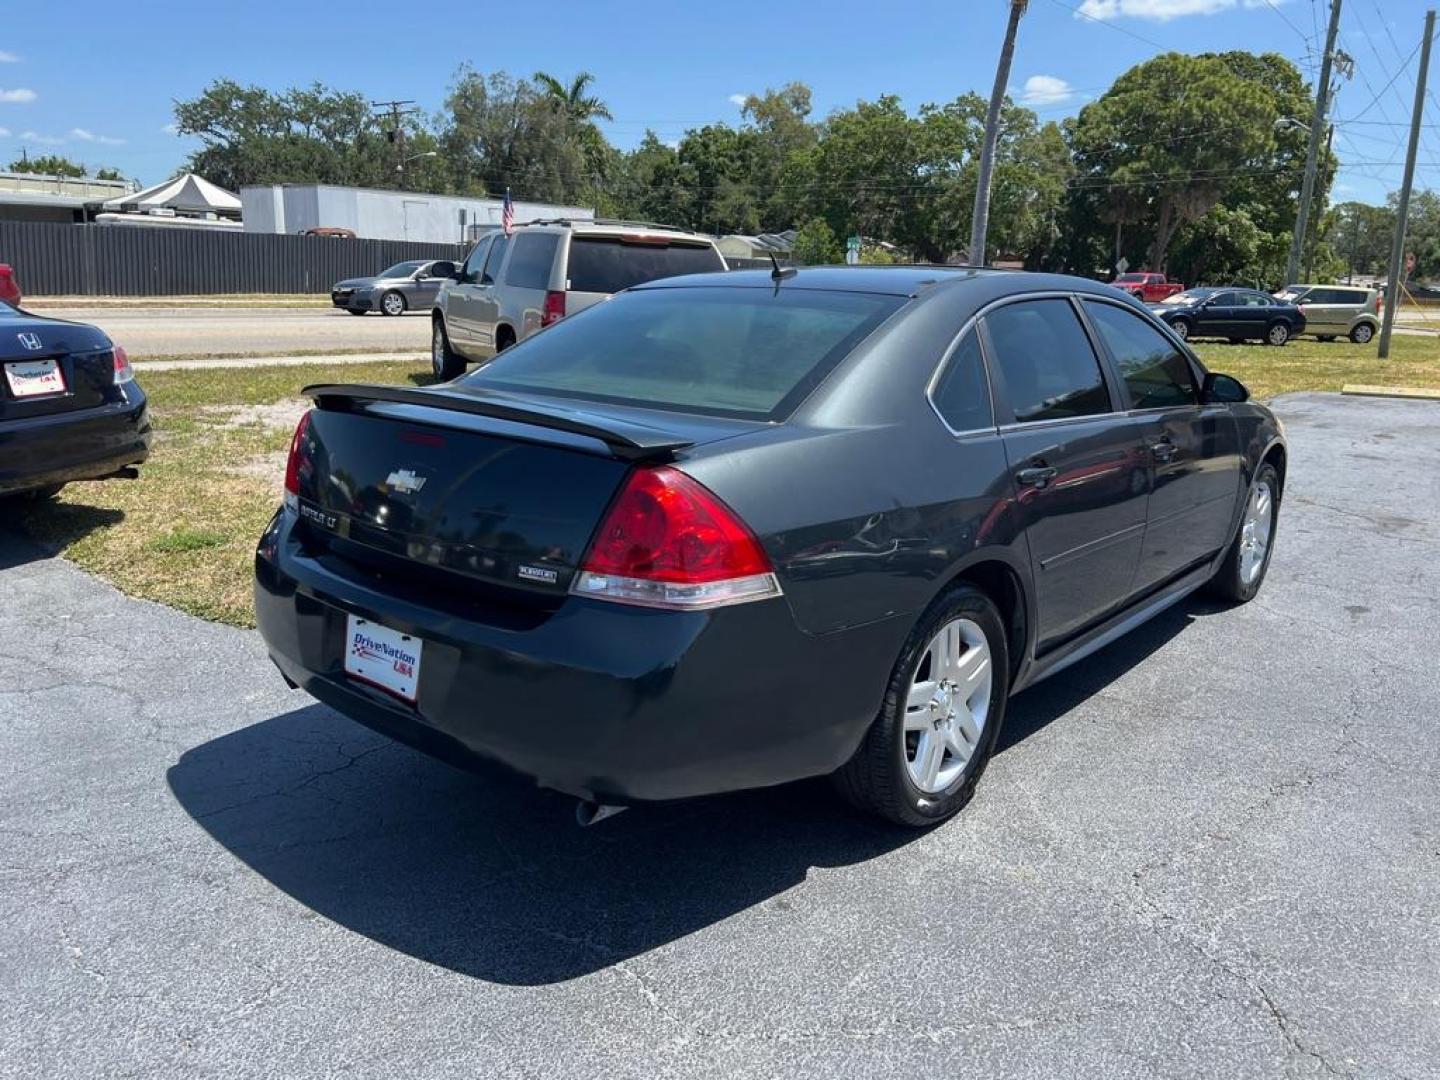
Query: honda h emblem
(30,341)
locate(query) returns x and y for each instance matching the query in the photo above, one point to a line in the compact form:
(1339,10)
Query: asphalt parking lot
(1213,850)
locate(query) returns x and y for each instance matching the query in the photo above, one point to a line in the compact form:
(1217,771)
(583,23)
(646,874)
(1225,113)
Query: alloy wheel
(393,303)
(1255,532)
(1181,328)
(1362,334)
(1279,334)
(437,351)
(947,706)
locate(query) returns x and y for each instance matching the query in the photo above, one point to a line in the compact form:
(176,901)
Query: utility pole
(980,221)
(1310,248)
(1397,249)
(1354,239)
(1307,189)
(395,133)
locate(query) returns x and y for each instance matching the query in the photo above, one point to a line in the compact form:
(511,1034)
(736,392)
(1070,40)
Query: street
(180,332)
(1209,851)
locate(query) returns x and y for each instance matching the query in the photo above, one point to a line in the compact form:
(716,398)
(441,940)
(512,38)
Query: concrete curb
(1408,392)
(279,361)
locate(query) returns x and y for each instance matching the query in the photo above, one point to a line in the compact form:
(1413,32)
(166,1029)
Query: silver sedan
(406,286)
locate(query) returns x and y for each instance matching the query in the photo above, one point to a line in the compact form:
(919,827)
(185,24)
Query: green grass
(184,533)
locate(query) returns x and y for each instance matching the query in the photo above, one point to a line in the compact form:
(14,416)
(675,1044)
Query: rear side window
(534,256)
(1049,368)
(748,353)
(1155,374)
(962,395)
(608,264)
(1250,299)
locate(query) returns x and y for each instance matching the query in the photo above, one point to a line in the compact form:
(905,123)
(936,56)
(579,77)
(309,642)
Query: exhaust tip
(589,813)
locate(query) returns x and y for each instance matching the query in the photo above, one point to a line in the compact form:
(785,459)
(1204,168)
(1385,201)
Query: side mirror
(1223,390)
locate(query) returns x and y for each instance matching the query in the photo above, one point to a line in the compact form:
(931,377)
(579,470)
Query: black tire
(35,495)
(1325,337)
(1182,328)
(1277,333)
(876,779)
(354,311)
(1362,333)
(386,304)
(504,338)
(1229,583)
(444,361)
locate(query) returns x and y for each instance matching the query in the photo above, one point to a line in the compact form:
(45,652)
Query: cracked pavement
(1213,850)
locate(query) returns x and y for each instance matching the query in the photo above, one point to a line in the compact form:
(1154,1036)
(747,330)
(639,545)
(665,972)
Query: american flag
(507,214)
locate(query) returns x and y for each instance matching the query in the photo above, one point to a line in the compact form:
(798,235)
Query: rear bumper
(598,700)
(39,451)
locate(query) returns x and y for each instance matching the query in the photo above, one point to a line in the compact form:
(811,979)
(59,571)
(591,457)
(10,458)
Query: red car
(1147,288)
(9,286)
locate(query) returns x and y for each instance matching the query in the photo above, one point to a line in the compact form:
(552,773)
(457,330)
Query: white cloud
(1160,10)
(170,129)
(738,99)
(8,57)
(1046,90)
(89,136)
(4,133)
(44,140)
(21,95)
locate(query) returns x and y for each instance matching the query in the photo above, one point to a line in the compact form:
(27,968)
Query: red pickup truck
(1149,288)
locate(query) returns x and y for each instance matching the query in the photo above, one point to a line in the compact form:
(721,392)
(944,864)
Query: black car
(70,408)
(1234,314)
(731,530)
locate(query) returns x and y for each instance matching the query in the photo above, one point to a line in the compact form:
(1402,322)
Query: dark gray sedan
(736,529)
(406,286)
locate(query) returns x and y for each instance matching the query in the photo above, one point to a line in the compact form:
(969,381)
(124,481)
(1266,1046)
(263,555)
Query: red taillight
(298,462)
(124,373)
(554,309)
(669,542)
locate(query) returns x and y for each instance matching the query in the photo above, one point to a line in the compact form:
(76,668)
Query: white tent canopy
(186,194)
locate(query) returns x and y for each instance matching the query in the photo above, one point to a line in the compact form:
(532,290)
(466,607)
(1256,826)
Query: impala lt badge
(405,481)
(30,341)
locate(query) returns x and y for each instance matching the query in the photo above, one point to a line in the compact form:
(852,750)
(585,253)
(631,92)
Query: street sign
(1122,264)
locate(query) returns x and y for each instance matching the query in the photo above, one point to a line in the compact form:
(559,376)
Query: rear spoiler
(630,442)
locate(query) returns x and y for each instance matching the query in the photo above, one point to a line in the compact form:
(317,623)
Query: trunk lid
(81,355)
(496,493)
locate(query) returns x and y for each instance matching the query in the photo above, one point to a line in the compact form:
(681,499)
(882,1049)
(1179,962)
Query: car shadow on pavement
(31,531)
(483,874)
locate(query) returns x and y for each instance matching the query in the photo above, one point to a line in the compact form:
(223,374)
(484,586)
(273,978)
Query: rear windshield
(748,353)
(404,269)
(603,264)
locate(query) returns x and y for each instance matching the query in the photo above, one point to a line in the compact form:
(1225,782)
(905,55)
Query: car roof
(886,280)
(604,227)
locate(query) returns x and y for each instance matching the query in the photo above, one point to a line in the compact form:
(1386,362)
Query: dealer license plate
(34,378)
(382,657)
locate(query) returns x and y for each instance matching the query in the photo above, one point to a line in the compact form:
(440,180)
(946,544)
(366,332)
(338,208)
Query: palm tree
(980,221)
(572,100)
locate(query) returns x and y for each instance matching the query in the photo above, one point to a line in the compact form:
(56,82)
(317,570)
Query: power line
(1113,26)
(1387,86)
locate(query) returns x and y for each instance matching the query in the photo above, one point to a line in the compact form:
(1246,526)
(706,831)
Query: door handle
(1163,451)
(1036,475)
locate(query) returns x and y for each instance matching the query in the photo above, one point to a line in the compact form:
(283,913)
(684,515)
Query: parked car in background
(1146,287)
(731,530)
(70,408)
(1333,311)
(9,286)
(512,286)
(1234,314)
(330,231)
(406,286)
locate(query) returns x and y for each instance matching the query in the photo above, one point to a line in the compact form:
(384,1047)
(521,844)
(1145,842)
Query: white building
(384,215)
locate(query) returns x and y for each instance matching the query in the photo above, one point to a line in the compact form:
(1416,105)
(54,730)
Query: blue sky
(76,81)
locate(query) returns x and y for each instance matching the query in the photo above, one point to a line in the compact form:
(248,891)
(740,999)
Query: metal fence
(127,260)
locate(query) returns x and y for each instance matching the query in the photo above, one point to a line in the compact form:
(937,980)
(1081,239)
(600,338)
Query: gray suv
(1333,311)
(512,286)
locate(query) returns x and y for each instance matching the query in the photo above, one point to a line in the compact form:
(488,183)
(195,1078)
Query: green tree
(816,244)
(108,174)
(255,136)
(780,120)
(1363,235)
(1168,138)
(48,165)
